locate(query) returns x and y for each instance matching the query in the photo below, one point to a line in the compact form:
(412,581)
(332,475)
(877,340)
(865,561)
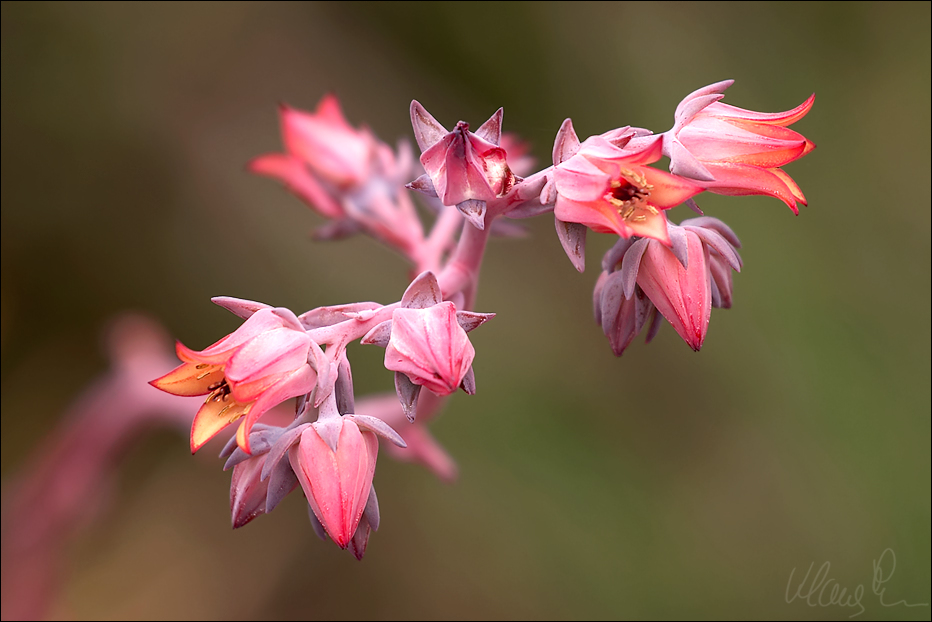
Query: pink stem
(461,274)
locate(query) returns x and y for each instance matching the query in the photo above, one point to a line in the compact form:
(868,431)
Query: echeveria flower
(610,189)
(336,480)
(683,282)
(430,347)
(464,168)
(261,364)
(733,151)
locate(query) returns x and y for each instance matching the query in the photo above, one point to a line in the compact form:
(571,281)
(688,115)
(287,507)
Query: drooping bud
(336,482)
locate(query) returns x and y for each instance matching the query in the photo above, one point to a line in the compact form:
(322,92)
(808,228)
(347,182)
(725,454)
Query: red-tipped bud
(336,482)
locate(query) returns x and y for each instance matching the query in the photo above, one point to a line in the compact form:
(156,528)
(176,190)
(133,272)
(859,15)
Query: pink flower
(336,480)
(683,282)
(735,151)
(345,174)
(430,347)
(681,293)
(464,169)
(324,156)
(261,364)
(426,343)
(609,188)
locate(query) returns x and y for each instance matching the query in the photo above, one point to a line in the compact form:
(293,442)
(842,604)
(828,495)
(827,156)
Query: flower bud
(336,481)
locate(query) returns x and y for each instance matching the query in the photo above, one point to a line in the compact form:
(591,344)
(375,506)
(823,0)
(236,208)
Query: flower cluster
(468,180)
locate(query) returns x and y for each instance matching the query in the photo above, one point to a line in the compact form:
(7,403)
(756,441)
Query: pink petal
(298,382)
(187,380)
(294,174)
(578,179)
(771,118)
(668,190)
(212,417)
(683,296)
(273,352)
(335,150)
(742,180)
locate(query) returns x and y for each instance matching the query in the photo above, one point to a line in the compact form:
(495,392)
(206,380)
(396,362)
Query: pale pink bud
(465,169)
(261,364)
(336,481)
(430,347)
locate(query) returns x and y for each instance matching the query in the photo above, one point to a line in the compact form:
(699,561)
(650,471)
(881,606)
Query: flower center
(218,391)
(628,193)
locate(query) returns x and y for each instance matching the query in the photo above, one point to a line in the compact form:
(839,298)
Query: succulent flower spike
(261,364)
(464,169)
(655,271)
(734,151)
(611,189)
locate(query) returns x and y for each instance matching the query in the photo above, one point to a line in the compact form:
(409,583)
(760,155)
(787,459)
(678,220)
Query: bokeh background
(661,484)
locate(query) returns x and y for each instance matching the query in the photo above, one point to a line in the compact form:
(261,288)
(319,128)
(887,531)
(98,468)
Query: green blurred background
(661,484)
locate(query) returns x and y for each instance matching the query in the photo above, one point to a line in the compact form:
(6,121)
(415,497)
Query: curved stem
(439,240)
(462,271)
(342,333)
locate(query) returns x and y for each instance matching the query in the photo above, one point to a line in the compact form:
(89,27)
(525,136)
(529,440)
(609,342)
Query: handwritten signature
(823,591)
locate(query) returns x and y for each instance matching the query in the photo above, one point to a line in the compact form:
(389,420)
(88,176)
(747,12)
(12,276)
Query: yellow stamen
(629,193)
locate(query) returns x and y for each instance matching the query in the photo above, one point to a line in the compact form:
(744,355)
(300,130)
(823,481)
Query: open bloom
(336,480)
(610,188)
(733,151)
(261,364)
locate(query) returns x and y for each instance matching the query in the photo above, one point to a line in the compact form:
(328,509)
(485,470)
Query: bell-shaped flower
(346,174)
(261,364)
(610,189)
(464,169)
(323,141)
(682,293)
(733,151)
(683,282)
(426,343)
(337,477)
(430,347)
